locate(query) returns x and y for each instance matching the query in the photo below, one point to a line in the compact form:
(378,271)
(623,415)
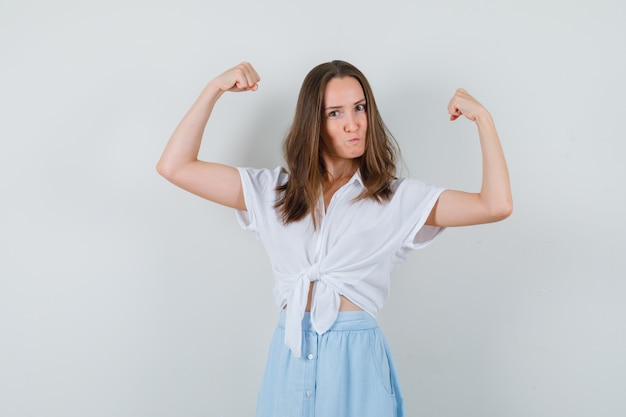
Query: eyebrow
(338,107)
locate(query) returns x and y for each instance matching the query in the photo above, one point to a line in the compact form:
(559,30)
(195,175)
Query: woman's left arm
(494,201)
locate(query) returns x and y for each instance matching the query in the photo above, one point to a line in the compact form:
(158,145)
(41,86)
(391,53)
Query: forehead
(343,91)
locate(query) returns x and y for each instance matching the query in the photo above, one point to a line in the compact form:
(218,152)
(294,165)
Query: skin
(494,201)
(343,139)
(344,127)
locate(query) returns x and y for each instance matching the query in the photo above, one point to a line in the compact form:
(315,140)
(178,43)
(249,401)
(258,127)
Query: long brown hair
(299,196)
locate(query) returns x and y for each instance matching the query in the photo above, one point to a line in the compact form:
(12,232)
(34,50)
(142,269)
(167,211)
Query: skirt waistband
(346,320)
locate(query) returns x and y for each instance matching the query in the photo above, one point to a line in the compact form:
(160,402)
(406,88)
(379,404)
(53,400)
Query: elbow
(501,211)
(161,168)
(165,170)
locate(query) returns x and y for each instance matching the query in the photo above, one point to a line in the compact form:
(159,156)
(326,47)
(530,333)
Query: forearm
(184,145)
(495,190)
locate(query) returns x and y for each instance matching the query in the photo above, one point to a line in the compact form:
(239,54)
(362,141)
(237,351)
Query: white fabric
(352,252)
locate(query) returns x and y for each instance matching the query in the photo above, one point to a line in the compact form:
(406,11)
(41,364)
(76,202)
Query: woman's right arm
(179,162)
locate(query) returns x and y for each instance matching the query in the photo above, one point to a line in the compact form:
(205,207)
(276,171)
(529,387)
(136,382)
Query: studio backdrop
(123,296)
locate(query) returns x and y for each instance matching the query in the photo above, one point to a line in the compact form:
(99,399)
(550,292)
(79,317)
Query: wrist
(213,89)
(483,116)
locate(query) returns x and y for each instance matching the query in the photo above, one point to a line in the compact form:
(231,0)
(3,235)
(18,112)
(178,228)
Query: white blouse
(352,252)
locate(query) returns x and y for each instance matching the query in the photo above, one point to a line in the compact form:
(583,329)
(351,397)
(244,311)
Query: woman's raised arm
(494,201)
(179,162)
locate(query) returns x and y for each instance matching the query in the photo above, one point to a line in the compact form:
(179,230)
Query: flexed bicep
(179,161)
(494,201)
(460,208)
(215,182)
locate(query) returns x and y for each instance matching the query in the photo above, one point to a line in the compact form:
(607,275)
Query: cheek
(326,140)
(329,133)
(364,122)
(326,130)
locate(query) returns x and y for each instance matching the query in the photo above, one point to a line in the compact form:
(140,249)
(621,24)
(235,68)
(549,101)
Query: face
(344,119)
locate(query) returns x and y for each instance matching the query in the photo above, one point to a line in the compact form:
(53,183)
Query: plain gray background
(123,296)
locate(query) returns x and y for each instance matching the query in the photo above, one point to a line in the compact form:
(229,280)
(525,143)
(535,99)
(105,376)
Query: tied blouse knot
(351,253)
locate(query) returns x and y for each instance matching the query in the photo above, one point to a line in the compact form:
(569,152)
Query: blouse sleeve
(259,193)
(417,200)
(424,196)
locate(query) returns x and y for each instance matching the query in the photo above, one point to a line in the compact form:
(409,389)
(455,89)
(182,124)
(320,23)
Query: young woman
(334,224)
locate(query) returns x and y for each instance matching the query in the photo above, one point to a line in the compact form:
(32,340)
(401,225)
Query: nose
(351,123)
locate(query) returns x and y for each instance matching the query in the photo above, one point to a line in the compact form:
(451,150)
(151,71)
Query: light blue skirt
(345,372)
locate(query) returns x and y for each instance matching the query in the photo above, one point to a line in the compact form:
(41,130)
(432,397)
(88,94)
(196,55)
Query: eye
(333,114)
(361,107)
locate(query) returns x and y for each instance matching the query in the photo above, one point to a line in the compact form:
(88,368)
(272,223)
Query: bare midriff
(344,303)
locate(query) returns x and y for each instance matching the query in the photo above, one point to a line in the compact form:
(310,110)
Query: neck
(340,171)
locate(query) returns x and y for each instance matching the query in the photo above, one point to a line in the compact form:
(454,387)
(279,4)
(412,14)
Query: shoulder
(414,189)
(262,178)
